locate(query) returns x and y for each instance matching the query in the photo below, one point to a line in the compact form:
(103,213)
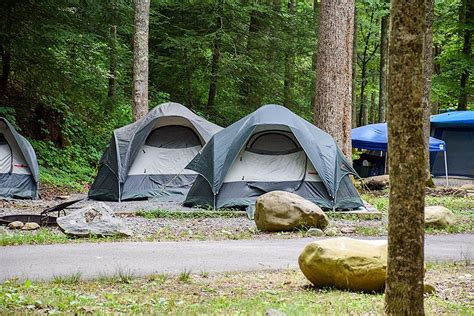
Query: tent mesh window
(173,137)
(273,143)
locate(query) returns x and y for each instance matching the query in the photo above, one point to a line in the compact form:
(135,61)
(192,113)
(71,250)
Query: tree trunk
(365,113)
(289,59)
(5,49)
(383,67)
(314,59)
(354,71)
(363,98)
(372,109)
(333,102)
(140,59)
(466,20)
(216,53)
(405,270)
(436,71)
(427,74)
(112,84)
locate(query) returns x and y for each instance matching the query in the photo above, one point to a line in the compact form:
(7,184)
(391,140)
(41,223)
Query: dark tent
(146,159)
(19,174)
(271,149)
(457,130)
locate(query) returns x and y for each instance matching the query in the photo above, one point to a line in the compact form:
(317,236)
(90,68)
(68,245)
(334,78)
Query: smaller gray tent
(19,175)
(146,159)
(271,149)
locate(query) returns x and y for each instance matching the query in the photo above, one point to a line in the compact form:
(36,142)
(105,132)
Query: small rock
(63,197)
(347,230)
(16,225)
(274,312)
(30,226)
(428,288)
(332,231)
(315,232)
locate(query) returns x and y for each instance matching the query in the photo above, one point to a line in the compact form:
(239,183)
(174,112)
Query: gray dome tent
(19,175)
(146,159)
(271,149)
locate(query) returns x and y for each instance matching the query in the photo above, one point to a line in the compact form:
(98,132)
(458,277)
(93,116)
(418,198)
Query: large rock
(346,263)
(284,211)
(377,182)
(30,226)
(439,216)
(16,225)
(95,219)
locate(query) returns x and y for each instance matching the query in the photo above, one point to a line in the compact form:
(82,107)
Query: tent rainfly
(19,174)
(271,149)
(457,130)
(375,137)
(146,159)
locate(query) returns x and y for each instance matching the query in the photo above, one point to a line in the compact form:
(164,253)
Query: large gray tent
(146,159)
(19,175)
(271,149)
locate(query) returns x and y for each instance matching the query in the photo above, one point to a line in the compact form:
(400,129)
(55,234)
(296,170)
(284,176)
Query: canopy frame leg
(446,168)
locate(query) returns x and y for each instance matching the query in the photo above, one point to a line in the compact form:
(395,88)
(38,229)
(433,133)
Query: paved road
(143,258)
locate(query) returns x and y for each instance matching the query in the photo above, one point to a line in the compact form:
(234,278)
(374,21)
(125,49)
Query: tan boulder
(377,182)
(284,211)
(439,216)
(30,226)
(346,263)
(15,225)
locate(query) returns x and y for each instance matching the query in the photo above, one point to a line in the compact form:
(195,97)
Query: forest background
(66,77)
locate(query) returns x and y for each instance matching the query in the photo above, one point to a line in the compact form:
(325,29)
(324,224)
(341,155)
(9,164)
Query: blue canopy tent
(457,130)
(375,137)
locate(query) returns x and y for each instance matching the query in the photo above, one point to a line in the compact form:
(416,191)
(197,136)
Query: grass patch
(74,278)
(185,276)
(199,214)
(228,293)
(45,236)
(40,237)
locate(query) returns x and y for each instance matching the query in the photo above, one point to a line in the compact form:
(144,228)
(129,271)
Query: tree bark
(216,53)
(112,84)
(314,59)
(405,270)
(427,74)
(140,59)
(5,49)
(333,101)
(383,67)
(466,20)
(289,59)
(372,109)
(354,71)
(436,71)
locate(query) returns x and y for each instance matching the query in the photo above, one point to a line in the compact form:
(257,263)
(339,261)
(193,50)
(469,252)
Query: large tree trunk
(466,20)
(314,59)
(405,270)
(140,59)
(354,71)
(289,59)
(383,67)
(333,101)
(216,53)
(427,74)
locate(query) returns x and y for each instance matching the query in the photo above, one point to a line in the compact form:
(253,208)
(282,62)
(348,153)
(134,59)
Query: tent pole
(446,168)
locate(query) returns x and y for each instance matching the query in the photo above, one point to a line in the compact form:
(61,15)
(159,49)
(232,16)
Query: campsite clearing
(224,293)
(156,221)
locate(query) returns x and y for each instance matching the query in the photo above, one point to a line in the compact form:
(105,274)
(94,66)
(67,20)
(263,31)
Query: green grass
(44,236)
(217,294)
(73,279)
(198,214)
